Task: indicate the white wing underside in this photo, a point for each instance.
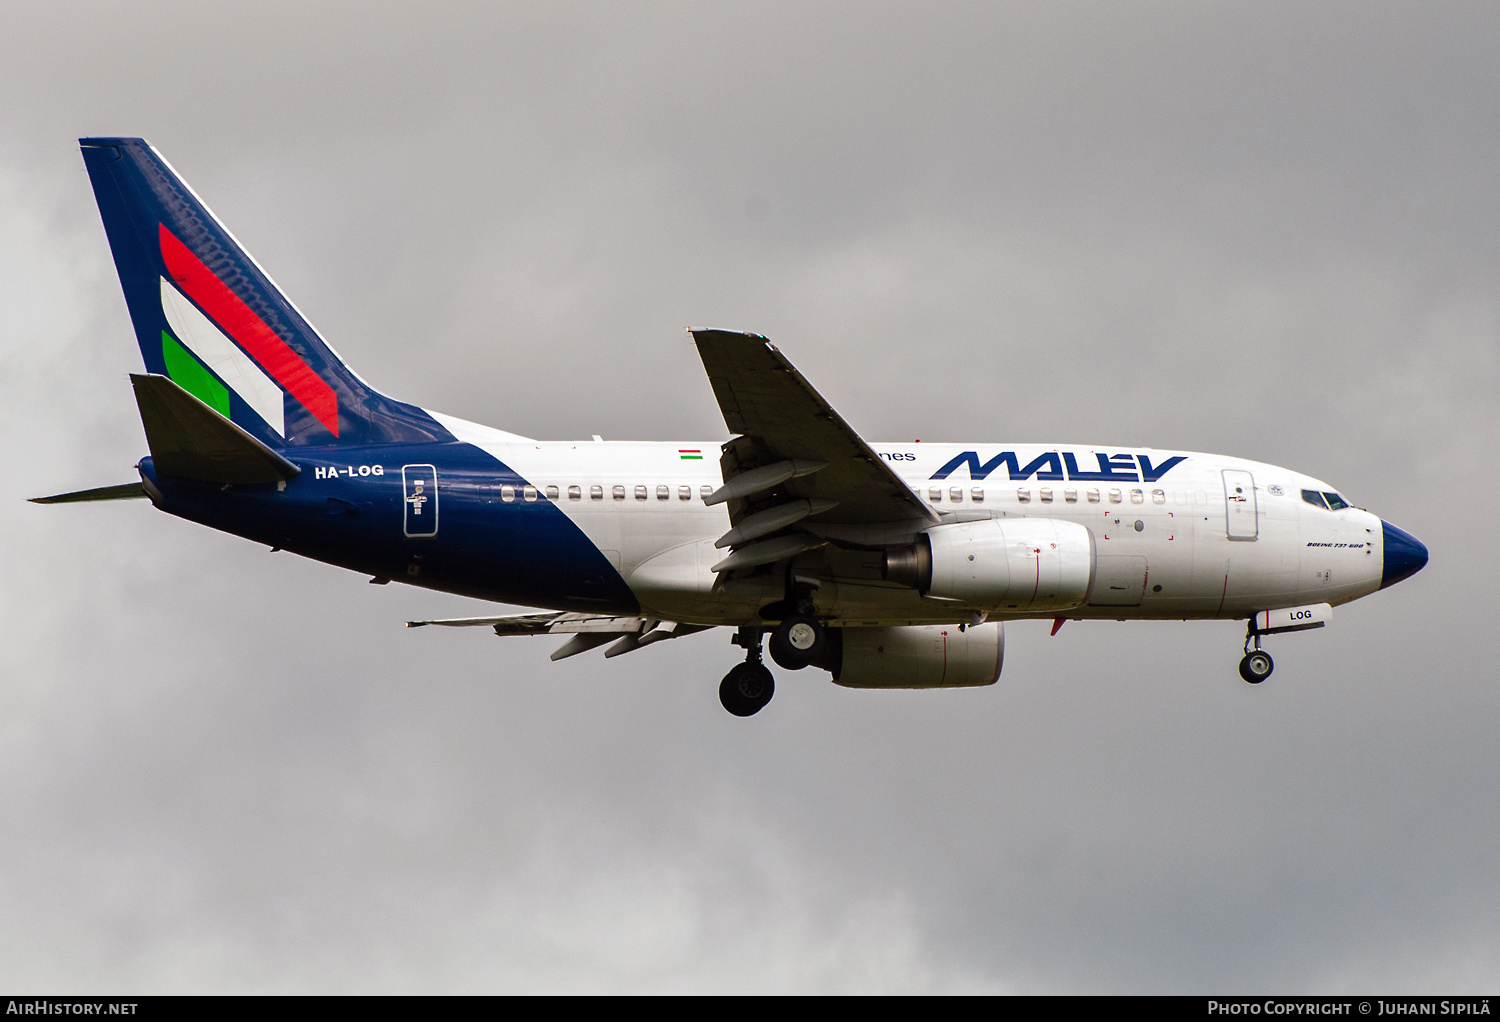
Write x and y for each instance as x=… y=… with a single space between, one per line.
x=586 y=630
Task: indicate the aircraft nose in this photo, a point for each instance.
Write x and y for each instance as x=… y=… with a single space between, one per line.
x=1404 y=555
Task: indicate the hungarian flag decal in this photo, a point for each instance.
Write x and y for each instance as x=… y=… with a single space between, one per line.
x=240 y=322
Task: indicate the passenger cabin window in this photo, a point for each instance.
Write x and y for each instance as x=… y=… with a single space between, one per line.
x=976 y=494
x=663 y=493
x=1314 y=498
x=956 y=494
x=576 y=493
x=640 y=493
x=705 y=492
x=1023 y=495
x=1046 y=494
x=618 y=492
x=529 y=493
x=935 y=494
x=1115 y=497
x=1137 y=496
x=1158 y=496
x=596 y=492
x=552 y=493
x=1093 y=496
x=684 y=493
x=1070 y=495
x=507 y=493
x=1335 y=502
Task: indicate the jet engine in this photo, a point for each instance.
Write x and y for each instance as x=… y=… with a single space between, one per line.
x=916 y=656
x=1023 y=564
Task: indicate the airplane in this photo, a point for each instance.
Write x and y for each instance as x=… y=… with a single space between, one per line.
x=887 y=565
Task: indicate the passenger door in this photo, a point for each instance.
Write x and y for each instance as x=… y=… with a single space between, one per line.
x=1239 y=502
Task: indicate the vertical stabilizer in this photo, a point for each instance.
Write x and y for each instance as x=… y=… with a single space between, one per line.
x=208 y=318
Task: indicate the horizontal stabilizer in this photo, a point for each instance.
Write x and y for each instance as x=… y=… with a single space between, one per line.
x=190 y=440
x=125 y=491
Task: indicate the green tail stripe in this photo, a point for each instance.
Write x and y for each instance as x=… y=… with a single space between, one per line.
x=189 y=374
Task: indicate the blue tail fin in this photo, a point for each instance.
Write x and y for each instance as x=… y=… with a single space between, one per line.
x=209 y=318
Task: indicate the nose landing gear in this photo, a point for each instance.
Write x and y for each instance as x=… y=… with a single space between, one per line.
x=1257 y=665
x=748 y=687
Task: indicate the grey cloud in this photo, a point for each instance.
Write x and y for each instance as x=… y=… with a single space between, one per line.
x=1264 y=230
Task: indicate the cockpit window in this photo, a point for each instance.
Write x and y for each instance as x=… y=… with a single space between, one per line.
x=1331 y=501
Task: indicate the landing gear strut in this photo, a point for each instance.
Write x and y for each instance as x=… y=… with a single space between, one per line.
x=749 y=686
x=1257 y=665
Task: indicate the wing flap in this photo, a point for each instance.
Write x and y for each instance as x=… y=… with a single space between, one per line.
x=587 y=631
x=548 y=623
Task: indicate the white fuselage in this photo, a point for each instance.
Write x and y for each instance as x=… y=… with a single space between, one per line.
x=1184 y=545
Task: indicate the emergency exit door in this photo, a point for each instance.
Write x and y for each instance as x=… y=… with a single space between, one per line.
x=1239 y=504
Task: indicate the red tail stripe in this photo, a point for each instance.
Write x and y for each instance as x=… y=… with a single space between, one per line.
x=241 y=323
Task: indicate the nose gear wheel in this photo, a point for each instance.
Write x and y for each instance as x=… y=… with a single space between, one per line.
x=1257 y=665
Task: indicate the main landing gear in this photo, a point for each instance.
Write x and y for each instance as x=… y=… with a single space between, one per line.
x=749 y=686
x=797 y=642
x=1257 y=665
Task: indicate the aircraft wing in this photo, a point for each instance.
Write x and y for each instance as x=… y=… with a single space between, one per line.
x=787 y=429
x=545 y=623
x=586 y=630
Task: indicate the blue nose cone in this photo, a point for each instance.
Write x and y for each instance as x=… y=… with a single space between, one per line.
x=1404 y=555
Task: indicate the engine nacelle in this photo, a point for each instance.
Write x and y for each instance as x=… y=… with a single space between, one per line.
x=918 y=656
x=1021 y=564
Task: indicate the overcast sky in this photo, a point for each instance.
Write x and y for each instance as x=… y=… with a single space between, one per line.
x=1259 y=229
